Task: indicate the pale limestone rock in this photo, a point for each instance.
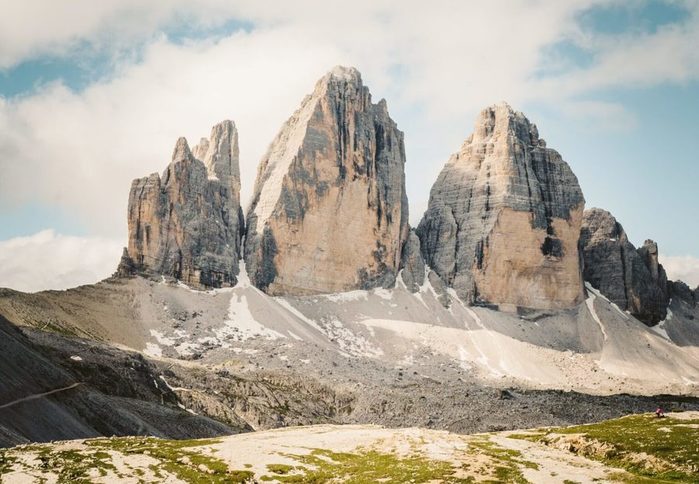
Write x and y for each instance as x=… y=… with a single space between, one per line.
x=503 y=220
x=329 y=210
x=412 y=263
x=188 y=224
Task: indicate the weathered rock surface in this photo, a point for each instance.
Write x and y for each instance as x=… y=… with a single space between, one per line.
x=680 y=290
x=412 y=263
x=504 y=216
x=629 y=277
x=329 y=211
x=188 y=223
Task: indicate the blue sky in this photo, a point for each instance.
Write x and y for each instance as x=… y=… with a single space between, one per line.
x=87 y=106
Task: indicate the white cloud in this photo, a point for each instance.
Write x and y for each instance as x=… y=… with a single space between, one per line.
x=81 y=150
x=437 y=63
x=30 y=28
x=682 y=268
x=47 y=260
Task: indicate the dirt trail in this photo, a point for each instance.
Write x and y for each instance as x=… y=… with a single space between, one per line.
x=40 y=395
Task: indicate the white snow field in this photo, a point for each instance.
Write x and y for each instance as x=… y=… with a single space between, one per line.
x=595 y=348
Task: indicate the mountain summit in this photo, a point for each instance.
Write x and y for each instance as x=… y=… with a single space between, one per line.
x=503 y=220
x=187 y=224
x=329 y=211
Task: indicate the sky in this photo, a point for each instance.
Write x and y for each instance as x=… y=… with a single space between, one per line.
x=95 y=94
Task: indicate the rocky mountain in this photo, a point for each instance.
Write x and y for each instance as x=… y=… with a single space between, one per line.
x=503 y=219
x=187 y=224
x=53 y=387
x=631 y=278
x=329 y=211
x=389 y=357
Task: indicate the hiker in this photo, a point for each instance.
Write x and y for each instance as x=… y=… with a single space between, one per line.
x=659 y=412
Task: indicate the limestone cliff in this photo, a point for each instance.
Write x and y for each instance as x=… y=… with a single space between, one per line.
x=629 y=277
x=329 y=210
x=503 y=220
x=412 y=263
x=188 y=223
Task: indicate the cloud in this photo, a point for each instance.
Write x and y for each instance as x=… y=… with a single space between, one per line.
x=32 y=28
x=682 y=268
x=437 y=63
x=633 y=59
x=80 y=150
x=47 y=260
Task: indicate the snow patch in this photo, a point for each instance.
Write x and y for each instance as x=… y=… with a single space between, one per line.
x=347 y=296
x=241 y=324
x=383 y=293
x=153 y=349
x=349 y=343
x=161 y=338
x=590 y=302
x=187 y=348
x=659 y=328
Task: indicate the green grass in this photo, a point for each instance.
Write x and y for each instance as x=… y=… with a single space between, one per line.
x=280 y=468
x=671 y=444
x=72 y=465
x=175 y=457
x=505 y=464
x=362 y=468
x=6 y=462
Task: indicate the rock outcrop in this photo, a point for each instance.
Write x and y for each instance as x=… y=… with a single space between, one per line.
x=680 y=290
x=188 y=224
x=329 y=210
x=629 y=277
x=412 y=263
x=503 y=220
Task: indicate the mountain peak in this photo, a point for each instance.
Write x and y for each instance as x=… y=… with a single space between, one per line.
x=501 y=119
x=181 y=151
x=345 y=73
x=503 y=220
x=329 y=210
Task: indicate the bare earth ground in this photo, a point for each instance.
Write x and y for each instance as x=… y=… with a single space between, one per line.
x=356 y=453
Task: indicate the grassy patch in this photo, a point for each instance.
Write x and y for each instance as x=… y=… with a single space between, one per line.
x=6 y=462
x=660 y=449
x=280 y=468
x=504 y=464
x=176 y=458
x=73 y=465
x=362 y=467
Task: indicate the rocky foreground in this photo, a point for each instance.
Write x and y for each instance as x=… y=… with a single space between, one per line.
x=639 y=448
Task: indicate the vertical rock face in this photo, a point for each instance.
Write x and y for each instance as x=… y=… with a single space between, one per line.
x=504 y=215
x=629 y=277
x=188 y=223
x=412 y=264
x=329 y=211
x=680 y=290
